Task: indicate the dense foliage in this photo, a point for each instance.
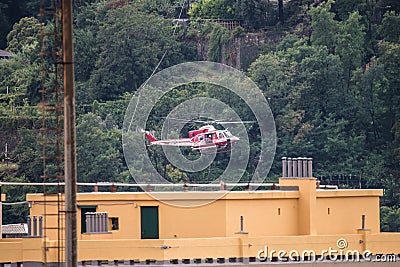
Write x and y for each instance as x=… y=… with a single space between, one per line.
x=331 y=77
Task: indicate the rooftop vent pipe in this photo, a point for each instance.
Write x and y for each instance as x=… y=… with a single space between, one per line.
x=297 y=167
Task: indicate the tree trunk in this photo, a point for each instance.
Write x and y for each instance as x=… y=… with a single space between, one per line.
x=280 y=11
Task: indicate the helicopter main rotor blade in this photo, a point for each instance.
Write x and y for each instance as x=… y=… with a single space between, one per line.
x=209 y=121
x=183 y=120
x=233 y=122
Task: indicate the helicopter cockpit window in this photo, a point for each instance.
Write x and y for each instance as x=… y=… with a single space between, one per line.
x=227 y=134
x=209 y=138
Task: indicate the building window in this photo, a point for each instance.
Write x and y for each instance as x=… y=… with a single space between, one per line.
x=114 y=223
x=84 y=210
x=97 y=222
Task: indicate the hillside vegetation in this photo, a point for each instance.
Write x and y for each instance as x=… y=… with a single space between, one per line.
x=330 y=70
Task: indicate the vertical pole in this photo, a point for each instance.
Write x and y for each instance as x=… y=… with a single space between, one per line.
x=309 y=161
x=1 y=214
x=102 y=224
x=241 y=226
x=294 y=161
x=363 y=221
x=6 y=155
x=29 y=224
x=284 y=167
x=106 y=222
x=305 y=168
x=35 y=232
x=69 y=137
x=41 y=226
x=89 y=222
x=300 y=167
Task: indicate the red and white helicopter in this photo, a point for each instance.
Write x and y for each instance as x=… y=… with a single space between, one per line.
x=204 y=139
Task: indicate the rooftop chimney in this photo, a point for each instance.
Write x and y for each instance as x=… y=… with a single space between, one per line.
x=296 y=167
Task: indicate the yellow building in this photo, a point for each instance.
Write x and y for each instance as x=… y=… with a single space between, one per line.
x=300 y=220
x=265 y=213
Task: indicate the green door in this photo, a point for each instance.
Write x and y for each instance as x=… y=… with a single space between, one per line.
x=149 y=222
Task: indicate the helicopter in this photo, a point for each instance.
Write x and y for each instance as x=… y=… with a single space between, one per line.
x=204 y=139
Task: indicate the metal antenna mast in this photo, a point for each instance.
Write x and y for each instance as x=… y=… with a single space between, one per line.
x=52 y=126
x=58 y=125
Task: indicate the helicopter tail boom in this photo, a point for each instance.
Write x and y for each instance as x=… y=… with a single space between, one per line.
x=150 y=137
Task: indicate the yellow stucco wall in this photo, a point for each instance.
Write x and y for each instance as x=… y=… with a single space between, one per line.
x=262 y=217
x=306 y=218
x=31 y=249
x=11 y=250
x=265 y=213
x=176 y=222
x=278 y=219
x=338 y=213
x=38 y=208
x=334 y=211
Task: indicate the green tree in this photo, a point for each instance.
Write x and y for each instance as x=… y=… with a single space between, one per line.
x=255 y=13
x=368 y=86
x=164 y=8
x=21 y=78
x=338 y=145
x=390 y=27
x=312 y=110
x=390 y=95
x=350 y=42
x=390 y=116
x=85 y=53
x=4 y=21
x=21 y=72
x=29 y=155
x=390 y=219
x=324 y=27
x=98 y=156
x=213 y=9
x=132 y=43
x=272 y=74
x=219 y=38
x=12 y=11
x=328 y=110
x=16 y=213
x=319 y=80
x=24 y=34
